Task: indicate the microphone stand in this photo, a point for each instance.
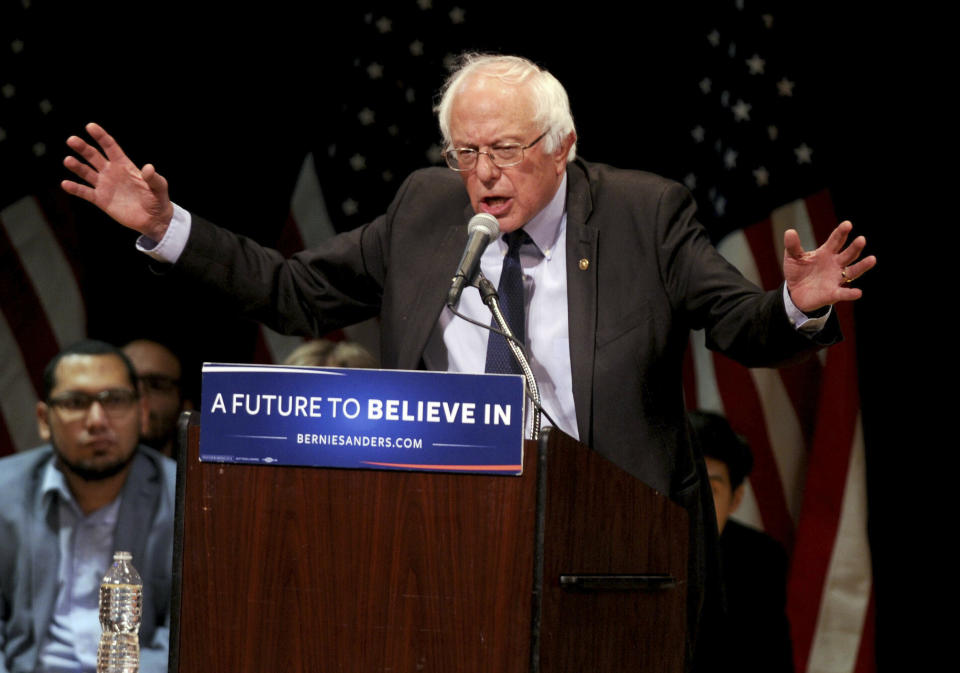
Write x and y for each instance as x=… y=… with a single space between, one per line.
x=489 y=295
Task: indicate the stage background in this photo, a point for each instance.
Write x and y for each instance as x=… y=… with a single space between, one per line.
x=228 y=103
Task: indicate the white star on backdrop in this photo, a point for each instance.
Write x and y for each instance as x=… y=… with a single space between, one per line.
x=358 y=162
x=741 y=111
x=756 y=64
x=434 y=154
x=730 y=159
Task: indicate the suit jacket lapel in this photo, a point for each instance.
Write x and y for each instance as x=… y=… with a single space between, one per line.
x=581 y=294
x=137 y=508
x=431 y=292
x=45 y=560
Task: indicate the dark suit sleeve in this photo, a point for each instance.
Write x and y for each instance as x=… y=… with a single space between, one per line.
x=740 y=320
x=309 y=294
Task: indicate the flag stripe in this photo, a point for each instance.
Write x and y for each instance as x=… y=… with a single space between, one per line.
x=785 y=437
x=847 y=588
x=741 y=402
x=823 y=500
x=867 y=657
x=18 y=400
x=48 y=269
x=308 y=208
x=19 y=303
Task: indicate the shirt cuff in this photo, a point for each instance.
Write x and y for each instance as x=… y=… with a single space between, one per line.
x=170 y=247
x=800 y=320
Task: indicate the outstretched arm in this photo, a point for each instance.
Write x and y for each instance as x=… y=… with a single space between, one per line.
x=822 y=277
x=135 y=197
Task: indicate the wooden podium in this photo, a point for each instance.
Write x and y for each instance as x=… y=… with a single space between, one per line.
x=573 y=566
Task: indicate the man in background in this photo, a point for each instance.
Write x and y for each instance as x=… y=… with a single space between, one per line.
x=756 y=636
x=67 y=506
x=158 y=369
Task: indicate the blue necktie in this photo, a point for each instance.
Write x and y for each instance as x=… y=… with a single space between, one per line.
x=510 y=290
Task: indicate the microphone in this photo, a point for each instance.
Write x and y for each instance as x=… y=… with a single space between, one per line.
x=482 y=229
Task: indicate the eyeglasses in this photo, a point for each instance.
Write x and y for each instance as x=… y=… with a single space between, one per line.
x=463 y=159
x=158 y=383
x=115 y=401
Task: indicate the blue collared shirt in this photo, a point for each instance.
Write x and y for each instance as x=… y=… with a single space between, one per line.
x=85 y=551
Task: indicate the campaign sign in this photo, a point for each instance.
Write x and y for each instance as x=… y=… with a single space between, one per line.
x=362 y=418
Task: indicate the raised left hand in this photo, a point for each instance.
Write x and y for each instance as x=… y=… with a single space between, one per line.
x=824 y=276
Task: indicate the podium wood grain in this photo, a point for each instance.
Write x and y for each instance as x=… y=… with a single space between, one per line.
x=306 y=569
x=354 y=570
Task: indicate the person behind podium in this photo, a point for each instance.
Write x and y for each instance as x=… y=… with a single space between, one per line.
x=159 y=372
x=67 y=506
x=756 y=635
x=613 y=268
x=327 y=353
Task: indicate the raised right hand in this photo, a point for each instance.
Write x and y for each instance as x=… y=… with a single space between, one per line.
x=136 y=198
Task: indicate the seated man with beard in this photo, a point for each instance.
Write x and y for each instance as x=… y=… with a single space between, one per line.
x=67 y=506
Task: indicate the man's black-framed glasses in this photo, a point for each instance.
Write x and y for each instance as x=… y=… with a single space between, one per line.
x=115 y=401
x=463 y=159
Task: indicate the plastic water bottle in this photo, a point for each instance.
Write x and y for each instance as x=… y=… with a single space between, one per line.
x=121 y=602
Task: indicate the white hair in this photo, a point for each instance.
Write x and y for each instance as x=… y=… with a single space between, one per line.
x=551 y=107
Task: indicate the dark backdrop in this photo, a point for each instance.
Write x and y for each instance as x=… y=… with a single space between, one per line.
x=226 y=103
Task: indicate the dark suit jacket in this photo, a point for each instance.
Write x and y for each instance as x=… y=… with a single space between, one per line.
x=757 y=636
x=649 y=276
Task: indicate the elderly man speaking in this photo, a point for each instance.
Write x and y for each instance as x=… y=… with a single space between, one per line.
x=612 y=267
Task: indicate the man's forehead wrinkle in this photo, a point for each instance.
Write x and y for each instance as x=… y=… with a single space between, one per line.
x=492 y=129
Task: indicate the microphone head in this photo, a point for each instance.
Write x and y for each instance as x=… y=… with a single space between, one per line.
x=485 y=223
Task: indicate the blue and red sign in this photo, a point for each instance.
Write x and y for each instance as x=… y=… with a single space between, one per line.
x=362 y=418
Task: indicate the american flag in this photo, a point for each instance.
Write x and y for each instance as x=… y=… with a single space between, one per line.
x=756 y=160
x=41 y=305
x=394 y=58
